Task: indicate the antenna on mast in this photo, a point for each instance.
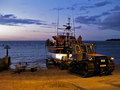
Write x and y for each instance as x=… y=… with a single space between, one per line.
x=58 y=21
x=68 y=21
x=74 y=26
x=73 y=23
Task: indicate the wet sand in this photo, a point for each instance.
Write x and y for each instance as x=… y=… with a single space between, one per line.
x=55 y=79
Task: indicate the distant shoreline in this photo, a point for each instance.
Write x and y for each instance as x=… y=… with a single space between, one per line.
x=113 y=40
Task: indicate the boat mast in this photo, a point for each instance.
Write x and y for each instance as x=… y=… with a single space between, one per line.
x=68 y=21
x=58 y=21
x=73 y=22
x=74 y=26
x=68 y=28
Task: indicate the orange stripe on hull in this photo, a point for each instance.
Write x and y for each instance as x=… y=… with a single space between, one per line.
x=96 y=54
x=55 y=48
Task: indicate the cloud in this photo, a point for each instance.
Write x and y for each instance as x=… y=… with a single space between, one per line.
x=8 y=16
x=91 y=19
x=53 y=23
x=100 y=4
x=78 y=27
x=88 y=20
x=71 y=8
x=11 y=20
x=105 y=13
x=74 y=6
x=86 y=7
x=116 y=8
x=58 y=9
x=111 y=22
x=67 y=8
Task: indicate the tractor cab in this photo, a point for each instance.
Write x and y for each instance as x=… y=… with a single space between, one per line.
x=85 y=48
x=80 y=51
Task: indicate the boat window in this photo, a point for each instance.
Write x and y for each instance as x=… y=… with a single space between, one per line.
x=83 y=48
x=73 y=50
x=90 y=49
x=77 y=49
x=93 y=48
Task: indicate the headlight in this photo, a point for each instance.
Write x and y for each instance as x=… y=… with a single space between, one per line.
x=112 y=58
x=90 y=58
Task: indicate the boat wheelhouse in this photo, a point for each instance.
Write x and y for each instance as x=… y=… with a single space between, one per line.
x=62 y=43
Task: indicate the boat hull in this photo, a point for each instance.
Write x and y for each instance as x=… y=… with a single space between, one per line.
x=58 y=56
x=58 y=52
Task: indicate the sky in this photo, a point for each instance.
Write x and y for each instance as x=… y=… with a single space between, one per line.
x=95 y=20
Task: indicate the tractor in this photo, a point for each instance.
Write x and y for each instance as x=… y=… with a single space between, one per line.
x=86 y=62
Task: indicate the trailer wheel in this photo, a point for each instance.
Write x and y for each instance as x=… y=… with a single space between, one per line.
x=62 y=66
x=50 y=63
x=73 y=68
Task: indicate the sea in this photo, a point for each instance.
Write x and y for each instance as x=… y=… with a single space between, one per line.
x=35 y=52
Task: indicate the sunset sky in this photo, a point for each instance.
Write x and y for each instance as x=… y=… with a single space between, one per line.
x=36 y=19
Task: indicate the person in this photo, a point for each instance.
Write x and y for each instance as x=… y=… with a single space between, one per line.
x=79 y=41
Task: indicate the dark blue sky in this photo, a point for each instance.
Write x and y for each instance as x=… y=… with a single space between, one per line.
x=36 y=19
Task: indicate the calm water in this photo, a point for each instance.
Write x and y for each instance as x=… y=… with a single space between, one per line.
x=34 y=52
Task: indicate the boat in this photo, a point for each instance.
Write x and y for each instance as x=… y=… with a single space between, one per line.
x=62 y=43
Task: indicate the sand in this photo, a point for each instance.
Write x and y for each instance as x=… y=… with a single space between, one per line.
x=55 y=79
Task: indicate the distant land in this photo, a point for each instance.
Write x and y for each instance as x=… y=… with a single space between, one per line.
x=113 y=40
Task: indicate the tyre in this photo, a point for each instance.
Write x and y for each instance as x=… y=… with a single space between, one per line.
x=111 y=67
x=72 y=67
x=62 y=66
x=49 y=63
x=84 y=71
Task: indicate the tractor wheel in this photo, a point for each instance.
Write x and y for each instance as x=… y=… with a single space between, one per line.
x=84 y=70
x=111 y=67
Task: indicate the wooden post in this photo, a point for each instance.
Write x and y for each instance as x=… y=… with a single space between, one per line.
x=7 y=47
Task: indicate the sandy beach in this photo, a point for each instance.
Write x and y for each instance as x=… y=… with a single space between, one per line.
x=55 y=79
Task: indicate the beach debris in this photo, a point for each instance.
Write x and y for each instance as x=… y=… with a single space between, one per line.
x=4 y=63
x=33 y=69
x=19 y=69
x=23 y=66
